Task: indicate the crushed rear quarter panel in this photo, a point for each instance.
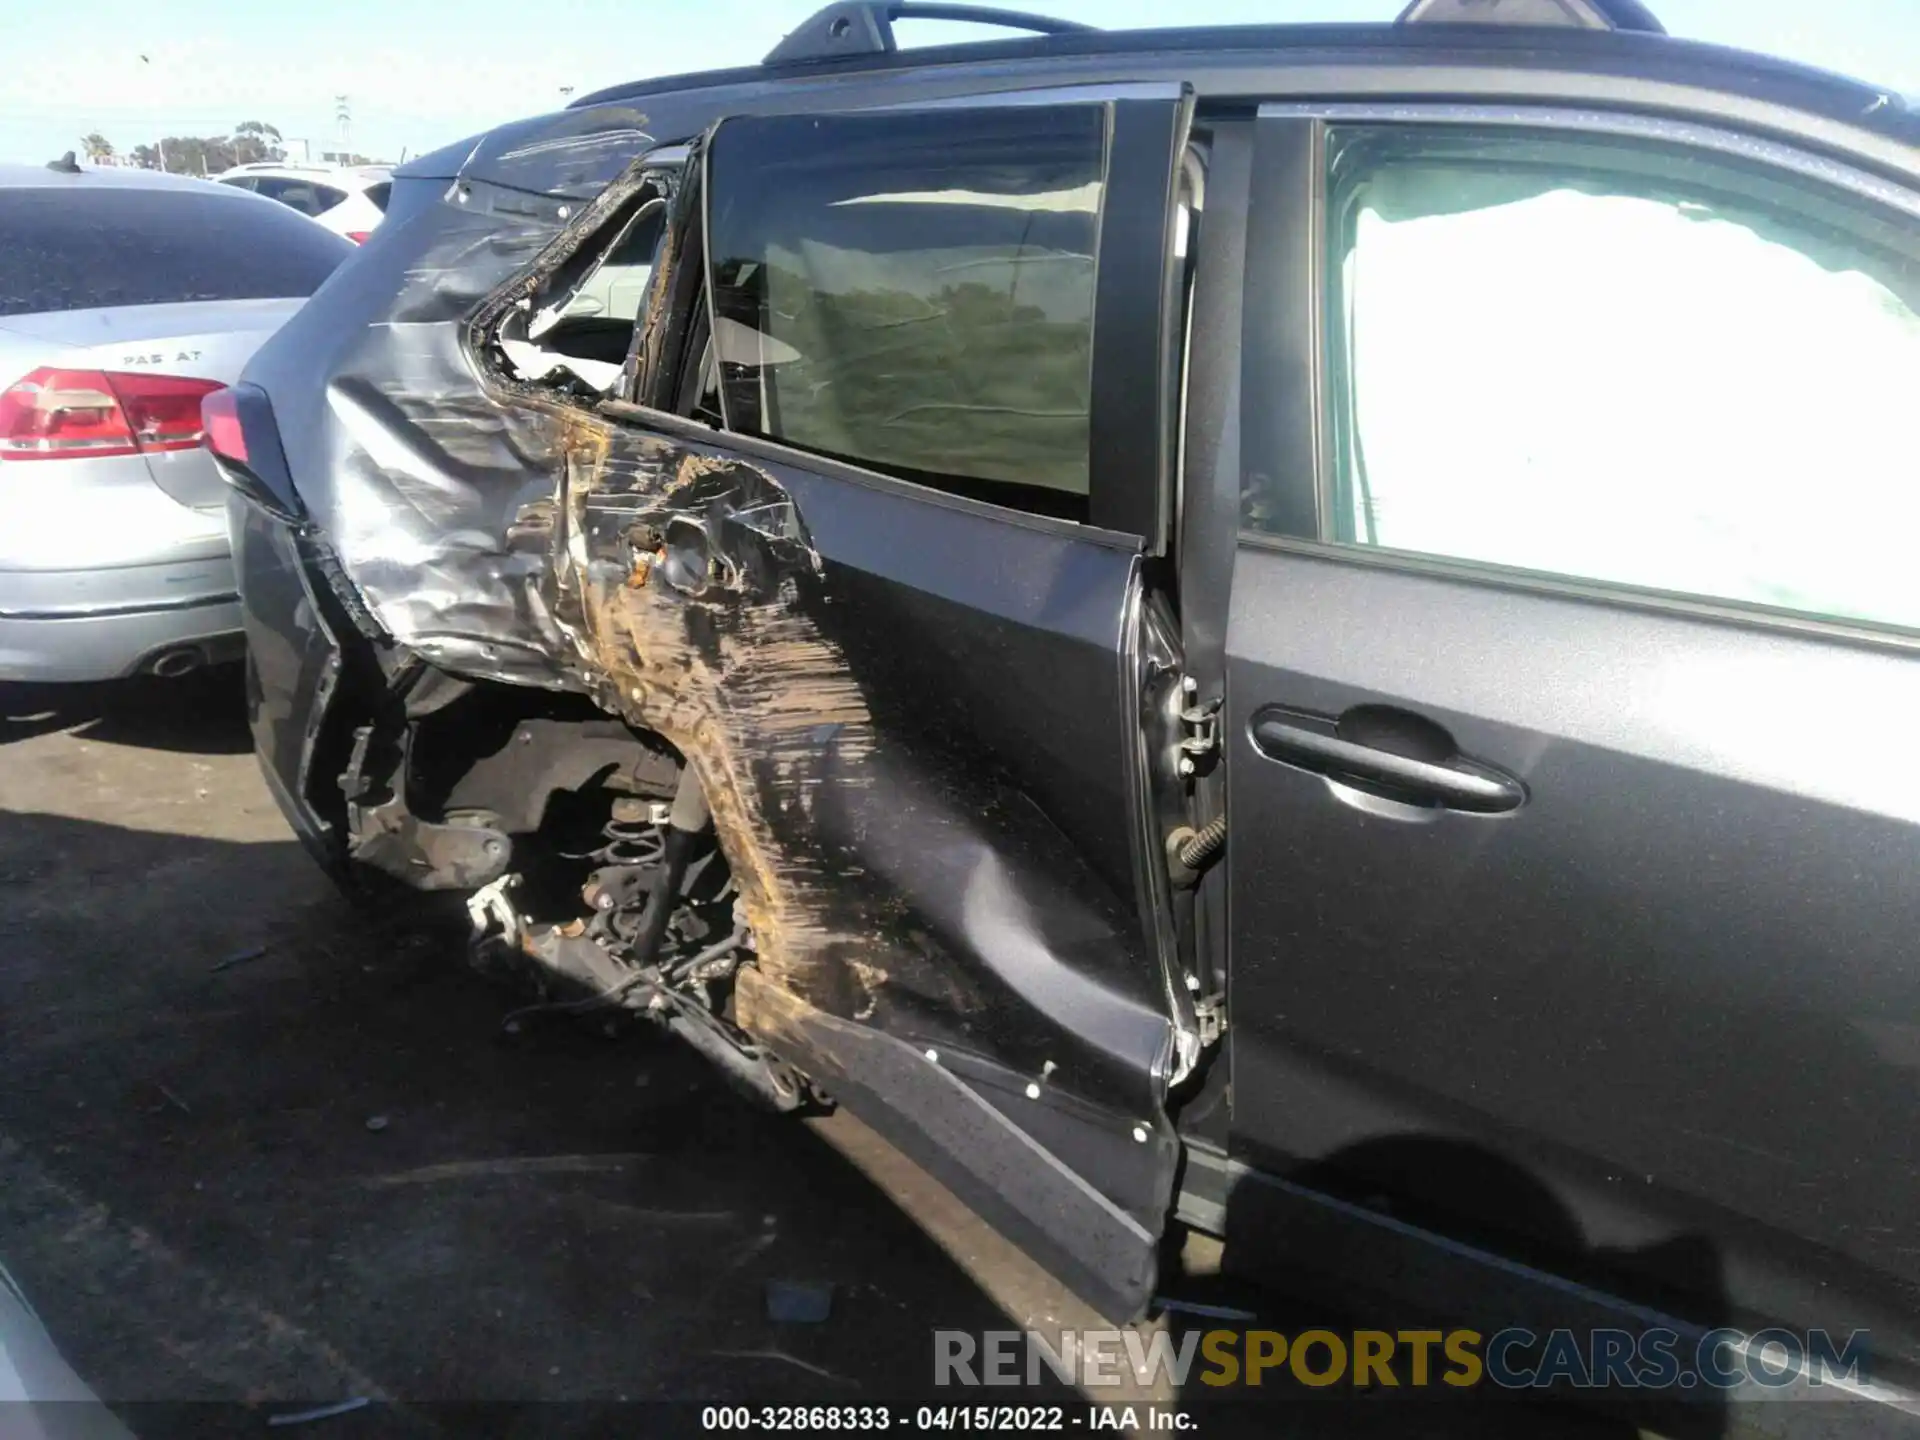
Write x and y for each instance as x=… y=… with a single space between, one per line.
x=909 y=717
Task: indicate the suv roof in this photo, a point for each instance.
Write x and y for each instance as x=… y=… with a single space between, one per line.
x=1610 y=35
x=865 y=27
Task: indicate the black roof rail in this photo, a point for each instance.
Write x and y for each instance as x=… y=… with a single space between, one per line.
x=1559 y=14
x=865 y=27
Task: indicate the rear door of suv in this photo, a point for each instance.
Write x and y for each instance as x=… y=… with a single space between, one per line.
x=924 y=360
x=1574 y=675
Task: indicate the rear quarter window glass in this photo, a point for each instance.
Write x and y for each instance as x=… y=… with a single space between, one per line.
x=82 y=249
x=914 y=293
x=379 y=194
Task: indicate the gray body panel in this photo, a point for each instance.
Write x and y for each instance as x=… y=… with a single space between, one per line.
x=1678 y=979
x=1645 y=1023
x=1671 y=991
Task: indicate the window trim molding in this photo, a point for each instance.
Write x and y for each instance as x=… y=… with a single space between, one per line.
x=1282 y=376
x=1902 y=640
x=756 y=447
x=703 y=263
x=1295 y=205
x=1135 y=373
x=1628 y=125
x=1097 y=92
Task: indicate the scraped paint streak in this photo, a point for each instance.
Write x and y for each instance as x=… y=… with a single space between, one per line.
x=681 y=576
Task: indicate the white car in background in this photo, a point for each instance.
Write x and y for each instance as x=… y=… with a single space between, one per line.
x=348 y=200
x=126 y=297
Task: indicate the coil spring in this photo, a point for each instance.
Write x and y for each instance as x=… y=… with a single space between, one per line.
x=630 y=842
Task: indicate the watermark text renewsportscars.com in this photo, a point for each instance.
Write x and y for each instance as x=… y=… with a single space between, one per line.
x=1514 y=1358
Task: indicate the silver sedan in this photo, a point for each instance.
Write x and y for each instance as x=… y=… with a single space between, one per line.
x=125 y=297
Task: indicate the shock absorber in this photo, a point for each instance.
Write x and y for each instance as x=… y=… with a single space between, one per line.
x=686 y=826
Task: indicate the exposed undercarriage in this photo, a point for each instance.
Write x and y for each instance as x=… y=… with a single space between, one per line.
x=584 y=848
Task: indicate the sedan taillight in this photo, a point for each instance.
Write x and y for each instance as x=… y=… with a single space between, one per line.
x=57 y=414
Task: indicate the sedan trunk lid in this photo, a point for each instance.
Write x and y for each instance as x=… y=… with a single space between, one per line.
x=201 y=340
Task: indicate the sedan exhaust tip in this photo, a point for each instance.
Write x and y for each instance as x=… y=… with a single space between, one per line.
x=171 y=664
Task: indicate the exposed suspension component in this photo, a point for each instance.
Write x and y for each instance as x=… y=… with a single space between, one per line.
x=662 y=935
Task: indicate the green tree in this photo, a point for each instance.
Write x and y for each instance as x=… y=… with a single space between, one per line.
x=255 y=141
x=99 y=149
x=252 y=141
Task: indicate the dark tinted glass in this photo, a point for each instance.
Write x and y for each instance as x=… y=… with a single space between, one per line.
x=78 y=249
x=378 y=193
x=641 y=238
x=915 y=292
x=306 y=196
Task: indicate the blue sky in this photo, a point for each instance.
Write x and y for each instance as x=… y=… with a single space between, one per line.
x=421 y=73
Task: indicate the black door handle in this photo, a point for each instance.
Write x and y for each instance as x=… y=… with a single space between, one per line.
x=1456 y=785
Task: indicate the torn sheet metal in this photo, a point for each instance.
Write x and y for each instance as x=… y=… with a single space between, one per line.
x=431 y=493
x=894 y=873
x=909 y=718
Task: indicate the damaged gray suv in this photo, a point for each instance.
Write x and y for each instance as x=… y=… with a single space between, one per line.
x=1304 y=631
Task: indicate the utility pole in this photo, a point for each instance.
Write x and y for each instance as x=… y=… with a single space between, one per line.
x=160 y=143
x=343 y=112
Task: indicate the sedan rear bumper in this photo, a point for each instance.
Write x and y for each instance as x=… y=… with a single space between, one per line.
x=106 y=624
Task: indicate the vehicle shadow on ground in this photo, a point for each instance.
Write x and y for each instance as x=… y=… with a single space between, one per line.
x=203 y=713
x=1321 y=1265
x=259 y=1149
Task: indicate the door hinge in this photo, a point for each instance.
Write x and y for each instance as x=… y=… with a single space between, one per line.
x=1199 y=727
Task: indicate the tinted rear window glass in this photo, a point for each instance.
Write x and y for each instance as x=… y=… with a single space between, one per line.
x=915 y=293
x=309 y=197
x=378 y=193
x=81 y=249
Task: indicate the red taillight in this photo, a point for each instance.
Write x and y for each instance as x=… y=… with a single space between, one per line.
x=358 y=237
x=220 y=419
x=56 y=414
x=164 y=410
x=89 y=414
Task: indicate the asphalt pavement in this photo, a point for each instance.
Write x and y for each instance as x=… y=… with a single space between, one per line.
x=262 y=1150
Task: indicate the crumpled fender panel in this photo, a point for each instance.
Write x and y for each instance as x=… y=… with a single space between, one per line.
x=412 y=474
